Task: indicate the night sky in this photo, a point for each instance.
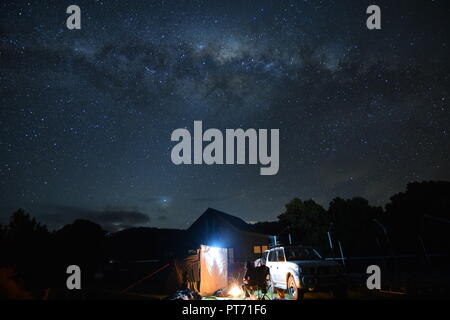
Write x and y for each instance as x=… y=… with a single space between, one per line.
x=86 y=115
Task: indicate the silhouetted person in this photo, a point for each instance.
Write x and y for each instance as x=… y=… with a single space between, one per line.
x=255 y=278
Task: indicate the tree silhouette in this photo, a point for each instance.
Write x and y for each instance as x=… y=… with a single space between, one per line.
x=418 y=216
x=355 y=226
x=307 y=220
x=27 y=247
x=80 y=243
x=22 y=224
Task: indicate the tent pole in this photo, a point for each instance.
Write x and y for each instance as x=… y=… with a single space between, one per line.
x=145 y=278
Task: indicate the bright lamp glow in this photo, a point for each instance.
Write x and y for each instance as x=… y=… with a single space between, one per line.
x=215 y=259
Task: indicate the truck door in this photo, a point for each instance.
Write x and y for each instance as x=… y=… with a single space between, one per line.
x=281 y=268
x=271 y=264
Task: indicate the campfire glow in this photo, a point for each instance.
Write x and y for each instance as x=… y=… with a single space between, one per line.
x=235 y=291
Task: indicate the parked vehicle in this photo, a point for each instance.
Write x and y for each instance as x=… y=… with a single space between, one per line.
x=298 y=269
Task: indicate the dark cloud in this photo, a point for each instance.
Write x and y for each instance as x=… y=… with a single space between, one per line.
x=110 y=219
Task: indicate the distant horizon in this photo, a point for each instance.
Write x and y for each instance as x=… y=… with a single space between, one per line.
x=100 y=214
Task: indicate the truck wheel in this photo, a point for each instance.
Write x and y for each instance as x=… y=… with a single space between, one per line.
x=294 y=292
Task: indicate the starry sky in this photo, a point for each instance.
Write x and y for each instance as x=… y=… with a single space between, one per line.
x=86 y=115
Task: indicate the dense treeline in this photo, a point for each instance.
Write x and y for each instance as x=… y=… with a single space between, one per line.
x=34 y=259
x=415 y=221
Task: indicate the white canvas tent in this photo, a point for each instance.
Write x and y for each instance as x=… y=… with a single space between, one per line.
x=205 y=272
x=213 y=269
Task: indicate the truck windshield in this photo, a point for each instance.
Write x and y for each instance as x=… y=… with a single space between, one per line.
x=294 y=253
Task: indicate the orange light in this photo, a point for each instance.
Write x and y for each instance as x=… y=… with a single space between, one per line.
x=235 y=291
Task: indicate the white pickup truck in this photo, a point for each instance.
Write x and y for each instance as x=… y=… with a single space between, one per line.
x=298 y=269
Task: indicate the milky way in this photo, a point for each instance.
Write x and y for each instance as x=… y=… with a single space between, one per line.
x=86 y=115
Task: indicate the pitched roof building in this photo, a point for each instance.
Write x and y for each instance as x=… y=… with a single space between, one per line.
x=217 y=228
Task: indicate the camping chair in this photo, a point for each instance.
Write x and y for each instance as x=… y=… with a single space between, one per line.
x=255 y=279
